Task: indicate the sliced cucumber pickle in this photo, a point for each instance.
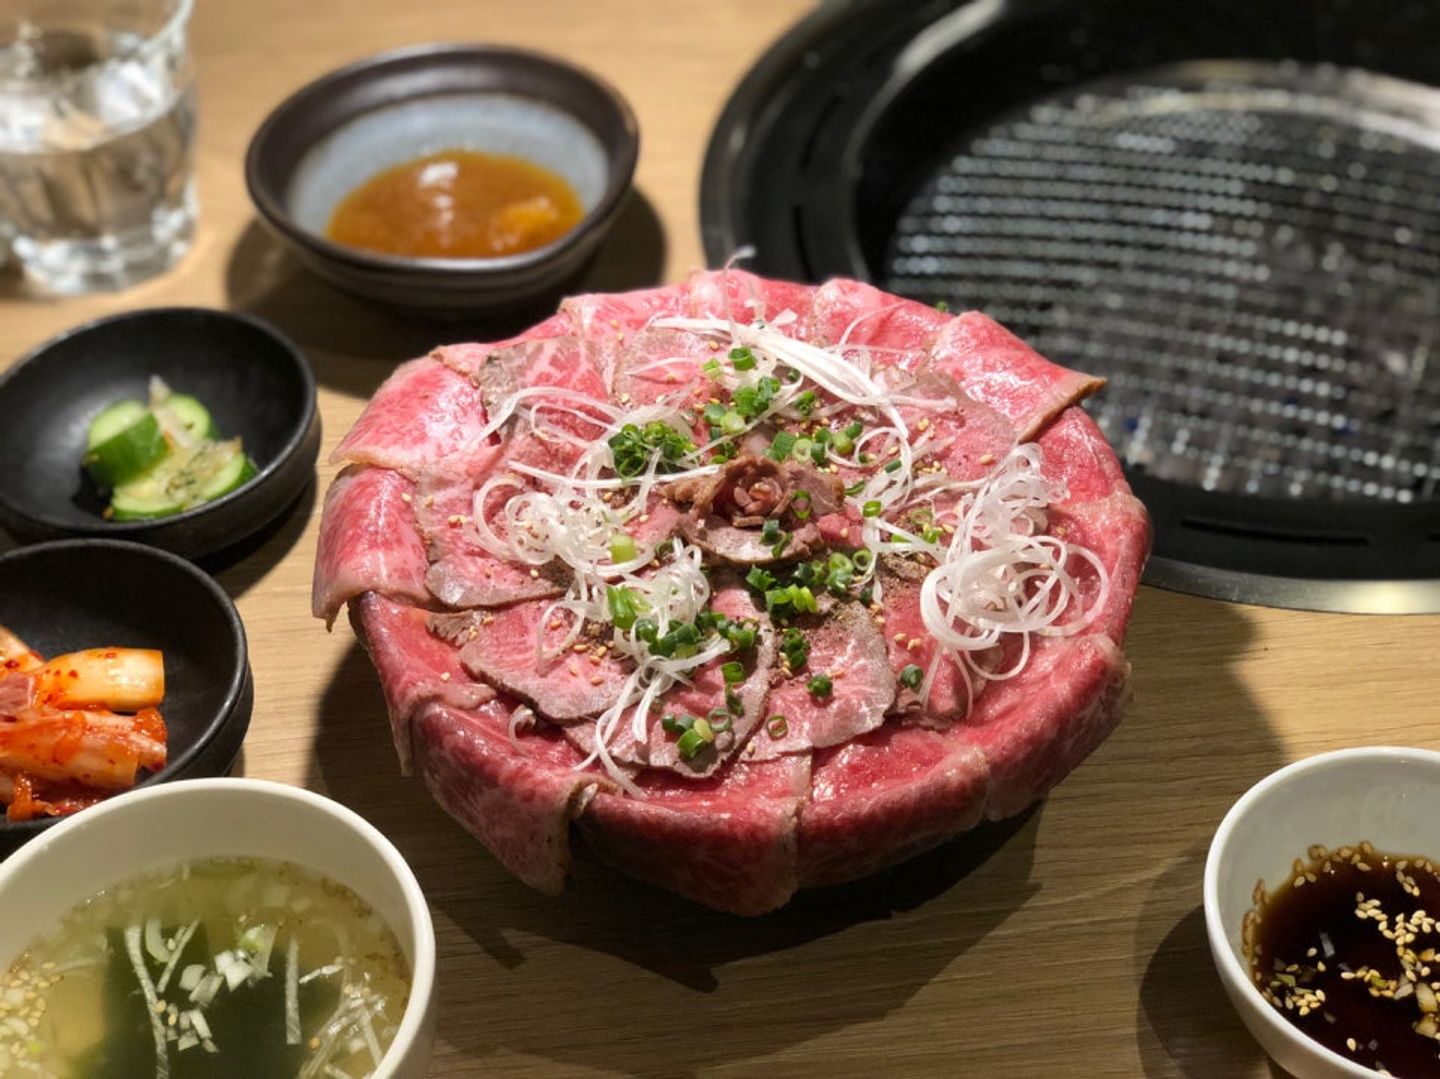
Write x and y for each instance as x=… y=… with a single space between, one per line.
x=126 y=454
x=113 y=419
x=193 y=416
x=150 y=495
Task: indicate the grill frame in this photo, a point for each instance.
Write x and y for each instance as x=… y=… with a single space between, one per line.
x=820 y=110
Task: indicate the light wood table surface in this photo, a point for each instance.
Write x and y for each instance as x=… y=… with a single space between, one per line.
x=1069 y=942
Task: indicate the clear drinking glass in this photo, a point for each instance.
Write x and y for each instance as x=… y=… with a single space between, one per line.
x=97 y=128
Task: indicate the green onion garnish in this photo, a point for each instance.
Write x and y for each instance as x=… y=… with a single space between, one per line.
x=732 y=673
x=800 y=505
x=778 y=548
x=671 y=725
x=690 y=744
x=783 y=445
x=805 y=402
x=893 y=466
x=777 y=726
x=871 y=508
x=760 y=579
x=770 y=530
x=624 y=605
x=803 y=599
x=863 y=560
x=854 y=429
x=733 y=702
x=855 y=488
x=712 y=369
x=820 y=686
x=803 y=448
x=703 y=729
x=622 y=547
x=732 y=423
x=742 y=359
x=911 y=676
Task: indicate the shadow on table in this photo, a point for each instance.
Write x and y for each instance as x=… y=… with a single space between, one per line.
x=354 y=344
x=687 y=978
x=243 y=565
x=1216 y=744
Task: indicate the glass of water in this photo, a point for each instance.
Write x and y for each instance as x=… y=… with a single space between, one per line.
x=97 y=131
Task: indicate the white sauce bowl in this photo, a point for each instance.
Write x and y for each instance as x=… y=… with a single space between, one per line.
x=154 y=827
x=1389 y=796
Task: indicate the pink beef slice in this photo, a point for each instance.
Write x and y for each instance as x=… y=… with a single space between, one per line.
x=517 y=800
x=706 y=691
x=466 y=358
x=972 y=437
x=501 y=650
x=660 y=363
x=565 y=362
x=743 y=297
x=876 y=320
x=368 y=541
x=900 y=582
x=1099 y=513
x=423 y=418
x=728 y=842
x=996 y=368
x=885 y=797
x=1037 y=727
x=847 y=648
x=462 y=572
x=609 y=320
x=414 y=665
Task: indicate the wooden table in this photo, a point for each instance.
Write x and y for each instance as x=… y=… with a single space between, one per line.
x=1067 y=942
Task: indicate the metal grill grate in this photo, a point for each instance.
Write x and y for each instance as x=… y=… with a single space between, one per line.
x=1250 y=252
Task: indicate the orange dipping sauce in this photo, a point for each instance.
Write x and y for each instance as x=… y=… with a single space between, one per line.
x=457 y=204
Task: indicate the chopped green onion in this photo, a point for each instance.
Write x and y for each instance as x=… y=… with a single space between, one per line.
x=942 y=306
x=803 y=448
x=805 y=403
x=733 y=702
x=855 y=488
x=792 y=375
x=714 y=414
x=646 y=630
x=855 y=429
x=777 y=726
x=622 y=547
x=690 y=744
x=840 y=560
x=867 y=596
x=839 y=581
x=843 y=443
x=893 y=466
x=777 y=600
x=911 y=676
x=820 y=686
x=803 y=599
x=770 y=530
x=760 y=579
x=624 y=605
x=931 y=535
x=732 y=423
x=720 y=726
x=778 y=547
x=863 y=560
x=871 y=508
x=800 y=505
x=732 y=673
x=712 y=369
x=742 y=359
x=671 y=725
x=782 y=446
x=741 y=635
x=821 y=435
x=703 y=729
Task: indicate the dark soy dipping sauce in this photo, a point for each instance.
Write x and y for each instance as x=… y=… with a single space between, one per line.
x=1321 y=954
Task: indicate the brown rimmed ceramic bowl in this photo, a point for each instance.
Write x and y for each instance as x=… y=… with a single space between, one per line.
x=378 y=112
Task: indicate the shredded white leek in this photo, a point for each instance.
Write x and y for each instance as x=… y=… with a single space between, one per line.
x=995 y=571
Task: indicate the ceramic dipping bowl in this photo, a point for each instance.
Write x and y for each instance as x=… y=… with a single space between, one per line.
x=331 y=135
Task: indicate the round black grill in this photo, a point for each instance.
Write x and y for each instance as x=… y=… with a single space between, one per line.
x=1249 y=253
x=1229 y=208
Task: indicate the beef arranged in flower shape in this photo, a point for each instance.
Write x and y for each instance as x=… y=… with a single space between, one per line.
x=756 y=585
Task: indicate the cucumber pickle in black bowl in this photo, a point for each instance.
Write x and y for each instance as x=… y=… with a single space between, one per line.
x=80 y=594
x=244 y=376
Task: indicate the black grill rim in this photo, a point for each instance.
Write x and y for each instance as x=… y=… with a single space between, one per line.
x=1274 y=552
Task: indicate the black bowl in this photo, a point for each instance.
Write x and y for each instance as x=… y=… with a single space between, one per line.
x=89 y=593
x=386 y=109
x=255 y=383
